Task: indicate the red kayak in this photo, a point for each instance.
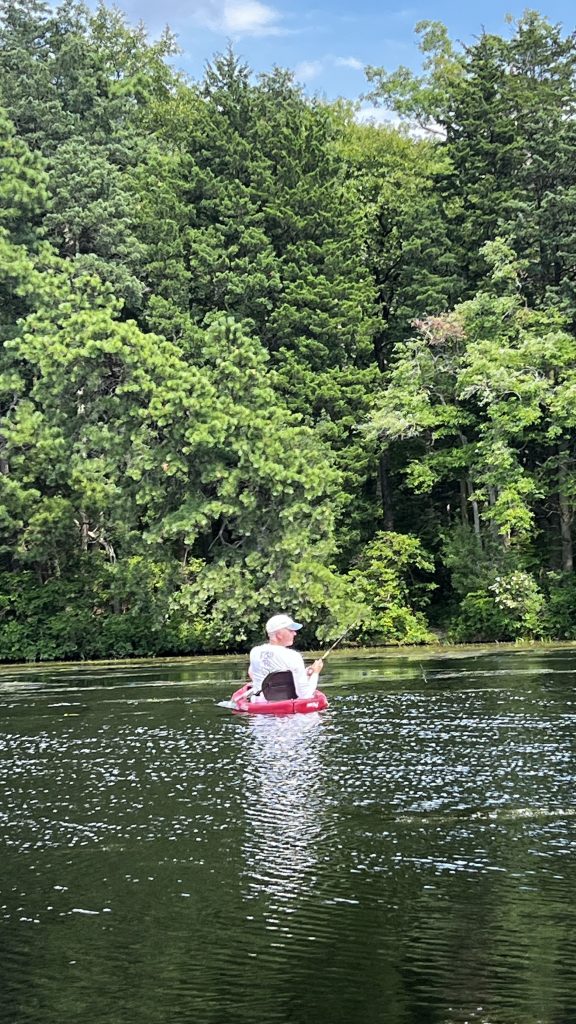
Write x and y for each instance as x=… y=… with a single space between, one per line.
x=299 y=706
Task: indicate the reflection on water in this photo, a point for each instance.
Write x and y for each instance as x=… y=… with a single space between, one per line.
x=286 y=811
x=405 y=857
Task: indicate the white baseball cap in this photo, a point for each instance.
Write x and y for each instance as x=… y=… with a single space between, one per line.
x=281 y=622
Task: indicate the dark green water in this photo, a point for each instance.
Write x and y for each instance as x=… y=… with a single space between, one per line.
x=408 y=857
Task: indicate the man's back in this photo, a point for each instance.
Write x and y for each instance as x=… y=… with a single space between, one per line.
x=268 y=658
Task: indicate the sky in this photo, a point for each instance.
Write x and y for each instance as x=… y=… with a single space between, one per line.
x=326 y=44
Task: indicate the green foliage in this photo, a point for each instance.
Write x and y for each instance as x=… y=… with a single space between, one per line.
x=510 y=608
x=114 y=444
x=400 y=182
x=424 y=99
x=257 y=355
x=518 y=596
x=471 y=562
x=23 y=184
x=389 y=587
x=475 y=388
x=98 y=610
x=78 y=85
x=275 y=237
x=513 y=168
x=560 y=611
x=479 y=620
x=23 y=198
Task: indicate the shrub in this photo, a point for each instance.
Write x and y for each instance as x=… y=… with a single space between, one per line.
x=560 y=613
x=509 y=608
x=389 y=584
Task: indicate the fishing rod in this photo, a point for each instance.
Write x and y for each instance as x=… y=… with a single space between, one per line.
x=337 y=641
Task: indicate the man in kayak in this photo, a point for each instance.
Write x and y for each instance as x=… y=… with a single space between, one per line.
x=272 y=664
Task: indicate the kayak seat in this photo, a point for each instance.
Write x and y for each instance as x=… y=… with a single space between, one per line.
x=279 y=686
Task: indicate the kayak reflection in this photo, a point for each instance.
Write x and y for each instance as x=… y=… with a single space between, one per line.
x=286 y=802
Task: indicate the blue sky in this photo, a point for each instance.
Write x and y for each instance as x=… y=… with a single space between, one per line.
x=325 y=44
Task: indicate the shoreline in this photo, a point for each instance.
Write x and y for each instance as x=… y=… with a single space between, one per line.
x=411 y=652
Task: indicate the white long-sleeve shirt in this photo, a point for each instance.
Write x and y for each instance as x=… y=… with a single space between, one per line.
x=274 y=658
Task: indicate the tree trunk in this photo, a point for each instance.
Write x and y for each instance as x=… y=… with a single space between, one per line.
x=492 y=526
x=565 y=507
x=84 y=532
x=475 y=510
x=385 y=492
x=464 y=502
x=4 y=467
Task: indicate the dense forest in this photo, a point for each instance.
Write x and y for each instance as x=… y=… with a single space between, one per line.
x=256 y=355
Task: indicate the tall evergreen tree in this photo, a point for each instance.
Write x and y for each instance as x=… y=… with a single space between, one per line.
x=23 y=199
x=506 y=111
x=76 y=85
x=276 y=239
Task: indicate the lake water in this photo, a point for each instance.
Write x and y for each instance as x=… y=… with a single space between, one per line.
x=407 y=857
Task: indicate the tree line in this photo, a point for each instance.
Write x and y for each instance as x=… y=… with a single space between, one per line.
x=258 y=355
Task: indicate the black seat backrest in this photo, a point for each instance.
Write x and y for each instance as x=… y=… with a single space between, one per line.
x=279 y=686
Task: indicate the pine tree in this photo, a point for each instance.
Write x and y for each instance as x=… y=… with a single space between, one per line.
x=76 y=85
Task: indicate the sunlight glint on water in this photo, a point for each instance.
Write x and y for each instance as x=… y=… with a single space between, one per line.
x=407 y=856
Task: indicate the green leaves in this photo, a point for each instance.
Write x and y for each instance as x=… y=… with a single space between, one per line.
x=389 y=587
x=227 y=361
x=115 y=444
x=424 y=98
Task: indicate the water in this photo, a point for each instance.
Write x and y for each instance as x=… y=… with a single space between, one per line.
x=407 y=857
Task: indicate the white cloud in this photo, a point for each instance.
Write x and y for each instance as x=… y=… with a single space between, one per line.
x=349 y=62
x=381 y=116
x=405 y=14
x=377 y=115
x=250 y=18
x=308 y=69
x=230 y=17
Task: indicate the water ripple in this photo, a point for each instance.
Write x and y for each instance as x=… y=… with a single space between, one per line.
x=406 y=856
